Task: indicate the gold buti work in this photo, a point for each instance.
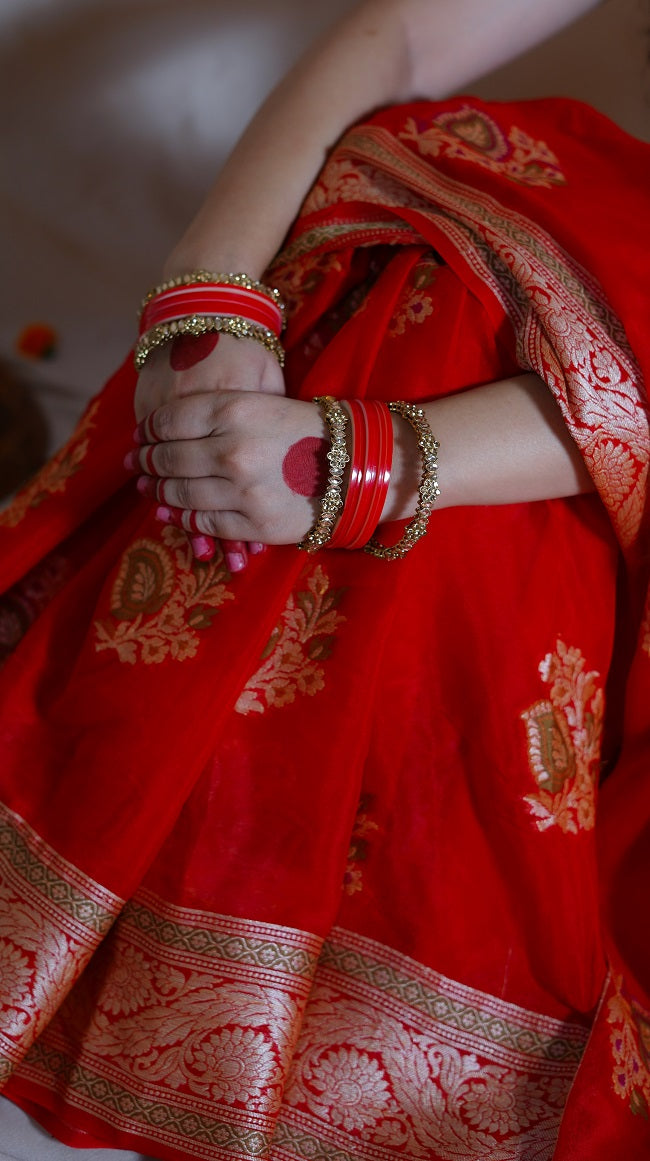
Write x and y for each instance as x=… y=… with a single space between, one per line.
x=564 y=742
x=292 y=662
x=215 y=1037
x=162 y=599
x=53 y=477
x=472 y=135
x=630 y=1043
x=52 y=917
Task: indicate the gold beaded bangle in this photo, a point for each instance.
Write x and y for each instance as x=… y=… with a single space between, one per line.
x=197 y=324
x=428 y=490
x=336 y=419
x=200 y=276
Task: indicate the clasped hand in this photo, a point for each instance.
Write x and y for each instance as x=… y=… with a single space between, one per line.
x=214 y=443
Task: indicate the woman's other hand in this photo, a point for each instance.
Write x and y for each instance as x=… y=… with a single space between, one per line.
x=239 y=465
x=192 y=365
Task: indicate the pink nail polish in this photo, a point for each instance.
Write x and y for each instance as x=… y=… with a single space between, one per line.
x=146 y=486
x=132 y=461
x=255 y=548
x=235 y=561
x=140 y=434
x=203 y=547
x=165 y=515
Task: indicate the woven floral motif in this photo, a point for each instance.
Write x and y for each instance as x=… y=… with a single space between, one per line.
x=630 y=1041
x=161 y=600
x=415 y=305
x=296 y=282
x=564 y=742
x=215 y=1036
x=52 y=479
x=51 y=919
x=292 y=662
x=364 y=828
x=471 y=135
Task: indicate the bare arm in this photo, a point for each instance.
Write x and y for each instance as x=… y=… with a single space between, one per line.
x=502 y=443
x=384 y=52
x=222 y=454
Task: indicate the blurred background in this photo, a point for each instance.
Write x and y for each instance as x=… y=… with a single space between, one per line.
x=117 y=116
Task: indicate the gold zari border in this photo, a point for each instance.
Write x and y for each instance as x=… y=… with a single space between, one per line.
x=217 y=1037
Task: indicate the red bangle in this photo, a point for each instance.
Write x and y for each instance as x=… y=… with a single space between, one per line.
x=372 y=456
x=211 y=299
x=340 y=536
x=380 y=459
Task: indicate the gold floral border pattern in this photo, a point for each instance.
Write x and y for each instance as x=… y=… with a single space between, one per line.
x=54 y=476
x=304 y=638
x=52 y=917
x=219 y=1037
x=192 y=1028
x=564 y=734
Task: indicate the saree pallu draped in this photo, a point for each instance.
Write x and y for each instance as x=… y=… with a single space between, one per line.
x=308 y=862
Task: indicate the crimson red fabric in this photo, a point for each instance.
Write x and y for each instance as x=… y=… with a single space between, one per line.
x=311 y=860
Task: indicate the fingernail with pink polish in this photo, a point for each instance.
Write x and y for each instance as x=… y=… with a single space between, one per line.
x=203 y=547
x=140 y=434
x=165 y=515
x=235 y=561
x=132 y=461
x=146 y=486
x=255 y=547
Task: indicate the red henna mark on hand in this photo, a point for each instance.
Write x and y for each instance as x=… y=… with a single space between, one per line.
x=305 y=467
x=186 y=350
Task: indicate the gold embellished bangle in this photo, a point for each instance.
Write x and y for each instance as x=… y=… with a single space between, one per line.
x=201 y=276
x=428 y=490
x=231 y=324
x=336 y=419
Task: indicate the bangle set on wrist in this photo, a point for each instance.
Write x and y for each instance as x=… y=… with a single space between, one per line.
x=350 y=522
x=201 y=302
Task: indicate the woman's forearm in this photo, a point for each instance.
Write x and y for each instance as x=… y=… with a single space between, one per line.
x=502 y=443
x=383 y=52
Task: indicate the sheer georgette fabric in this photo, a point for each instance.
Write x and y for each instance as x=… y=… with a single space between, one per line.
x=307 y=862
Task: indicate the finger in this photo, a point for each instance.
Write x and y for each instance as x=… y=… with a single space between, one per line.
x=218 y=524
x=235 y=554
x=183 y=458
x=188 y=417
x=203 y=547
x=204 y=495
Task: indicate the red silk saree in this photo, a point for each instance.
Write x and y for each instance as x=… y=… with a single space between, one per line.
x=313 y=861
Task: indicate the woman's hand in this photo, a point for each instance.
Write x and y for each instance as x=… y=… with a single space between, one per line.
x=239 y=465
x=191 y=365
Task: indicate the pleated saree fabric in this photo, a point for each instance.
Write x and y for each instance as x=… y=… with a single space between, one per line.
x=312 y=861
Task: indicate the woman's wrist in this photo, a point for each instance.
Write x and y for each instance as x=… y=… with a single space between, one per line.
x=219 y=260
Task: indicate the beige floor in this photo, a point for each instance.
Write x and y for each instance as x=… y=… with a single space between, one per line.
x=21 y=1139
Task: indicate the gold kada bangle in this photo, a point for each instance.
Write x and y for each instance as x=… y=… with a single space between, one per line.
x=336 y=419
x=230 y=324
x=428 y=490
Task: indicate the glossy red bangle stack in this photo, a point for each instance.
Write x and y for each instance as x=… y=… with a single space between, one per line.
x=211 y=298
x=370 y=464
